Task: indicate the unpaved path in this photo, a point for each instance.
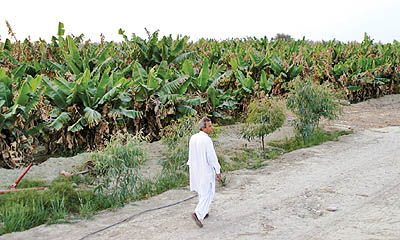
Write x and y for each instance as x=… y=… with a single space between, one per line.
x=349 y=189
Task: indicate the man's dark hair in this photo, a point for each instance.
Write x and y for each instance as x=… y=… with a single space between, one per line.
x=203 y=122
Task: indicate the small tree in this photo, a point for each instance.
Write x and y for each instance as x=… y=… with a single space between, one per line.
x=264 y=117
x=310 y=101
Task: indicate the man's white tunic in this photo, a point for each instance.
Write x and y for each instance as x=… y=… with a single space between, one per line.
x=203 y=163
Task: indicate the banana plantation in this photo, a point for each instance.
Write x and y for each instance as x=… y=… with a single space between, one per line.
x=70 y=94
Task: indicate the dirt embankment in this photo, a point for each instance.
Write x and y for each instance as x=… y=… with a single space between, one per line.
x=339 y=190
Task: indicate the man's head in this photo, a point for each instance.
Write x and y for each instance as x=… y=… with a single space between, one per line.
x=205 y=125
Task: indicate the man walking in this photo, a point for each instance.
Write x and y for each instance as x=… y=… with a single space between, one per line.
x=203 y=167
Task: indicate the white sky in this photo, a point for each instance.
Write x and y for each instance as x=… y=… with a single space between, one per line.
x=344 y=20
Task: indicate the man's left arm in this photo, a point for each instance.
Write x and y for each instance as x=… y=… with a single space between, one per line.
x=213 y=160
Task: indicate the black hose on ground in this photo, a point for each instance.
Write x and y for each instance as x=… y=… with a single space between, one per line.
x=137 y=214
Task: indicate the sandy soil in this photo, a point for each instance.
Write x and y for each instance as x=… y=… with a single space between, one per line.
x=339 y=190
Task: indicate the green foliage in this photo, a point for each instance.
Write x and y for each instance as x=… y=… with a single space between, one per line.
x=23 y=210
x=248 y=158
x=19 y=100
x=29 y=183
x=318 y=137
x=176 y=136
x=117 y=167
x=264 y=117
x=310 y=101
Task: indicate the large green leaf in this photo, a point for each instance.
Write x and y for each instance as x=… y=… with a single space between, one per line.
x=101 y=88
x=217 y=77
x=73 y=50
x=172 y=87
x=204 y=76
x=257 y=59
x=59 y=122
x=212 y=94
x=99 y=66
x=82 y=90
x=170 y=97
x=139 y=75
x=162 y=70
x=19 y=71
x=56 y=66
x=186 y=110
x=34 y=83
x=153 y=81
x=195 y=101
x=92 y=116
x=187 y=68
x=109 y=95
x=23 y=93
x=63 y=85
x=234 y=64
x=54 y=93
x=179 y=47
x=266 y=84
x=130 y=113
x=72 y=64
x=78 y=125
x=183 y=57
x=61 y=30
x=276 y=65
x=14 y=110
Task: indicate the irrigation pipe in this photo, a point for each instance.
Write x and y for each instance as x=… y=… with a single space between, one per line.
x=137 y=214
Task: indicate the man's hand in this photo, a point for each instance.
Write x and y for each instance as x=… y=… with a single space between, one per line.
x=219 y=176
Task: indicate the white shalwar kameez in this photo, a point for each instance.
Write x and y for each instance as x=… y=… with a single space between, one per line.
x=203 y=167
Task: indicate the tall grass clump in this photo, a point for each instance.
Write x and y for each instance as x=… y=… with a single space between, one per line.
x=176 y=136
x=117 y=167
x=20 y=211
x=318 y=137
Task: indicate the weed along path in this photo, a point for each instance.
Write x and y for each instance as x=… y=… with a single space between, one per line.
x=346 y=189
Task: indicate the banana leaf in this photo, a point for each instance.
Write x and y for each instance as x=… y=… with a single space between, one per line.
x=187 y=68
x=59 y=122
x=92 y=116
x=54 y=93
x=204 y=76
x=78 y=125
x=130 y=113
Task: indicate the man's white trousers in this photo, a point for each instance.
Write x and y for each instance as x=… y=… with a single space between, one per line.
x=205 y=199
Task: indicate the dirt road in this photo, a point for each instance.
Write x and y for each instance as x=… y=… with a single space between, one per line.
x=349 y=189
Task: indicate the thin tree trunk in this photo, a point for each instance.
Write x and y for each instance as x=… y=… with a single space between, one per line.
x=262 y=140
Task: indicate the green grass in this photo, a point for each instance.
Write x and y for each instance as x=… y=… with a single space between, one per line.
x=60 y=202
x=248 y=158
x=320 y=136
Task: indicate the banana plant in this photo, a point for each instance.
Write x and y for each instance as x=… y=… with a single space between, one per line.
x=206 y=81
x=285 y=73
x=18 y=123
x=90 y=94
x=204 y=78
x=153 y=51
x=170 y=97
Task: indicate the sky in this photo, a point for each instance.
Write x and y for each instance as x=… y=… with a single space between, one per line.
x=343 y=20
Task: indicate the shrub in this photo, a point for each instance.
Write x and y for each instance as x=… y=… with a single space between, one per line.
x=176 y=136
x=264 y=117
x=310 y=101
x=117 y=166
